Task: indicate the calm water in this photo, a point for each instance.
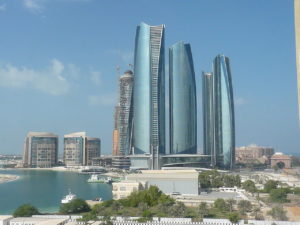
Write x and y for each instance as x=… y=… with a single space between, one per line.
x=45 y=189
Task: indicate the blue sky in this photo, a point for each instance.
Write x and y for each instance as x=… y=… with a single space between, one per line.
x=58 y=63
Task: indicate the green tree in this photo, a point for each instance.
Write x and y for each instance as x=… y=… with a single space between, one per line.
x=244 y=206
x=116 y=205
x=204 y=180
x=249 y=186
x=221 y=205
x=296 y=191
x=217 y=181
x=230 y=202
x=178 y=210
x=233 y=217
x=279 y=195
x=278 y=213
x=26 y=210
x=203 y=209
x=75 y=206
x=270 y=185
x=237 y=181
x=147 y=213
x=231 y=180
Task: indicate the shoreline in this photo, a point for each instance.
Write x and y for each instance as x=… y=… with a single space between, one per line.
x=63 y=169
x=5 y=178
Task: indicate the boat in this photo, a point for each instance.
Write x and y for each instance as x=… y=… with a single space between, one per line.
x=68 y=198
x=95 y=178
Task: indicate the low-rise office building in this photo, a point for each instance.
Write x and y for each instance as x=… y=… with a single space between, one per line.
x=40 y=150
x=170 y=181
x=37 y=221
x=4 y=219
x=123 y=189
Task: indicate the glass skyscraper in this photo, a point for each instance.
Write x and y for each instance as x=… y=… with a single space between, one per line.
x=218 y=114
x=208 y=118
x=297 y=32
x=149 y=91
x=183 y=102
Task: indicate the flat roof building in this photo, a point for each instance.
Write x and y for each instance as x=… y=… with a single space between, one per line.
x=40 y=150
x=79 y=150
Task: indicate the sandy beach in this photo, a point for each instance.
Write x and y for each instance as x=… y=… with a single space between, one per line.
x=7 y=178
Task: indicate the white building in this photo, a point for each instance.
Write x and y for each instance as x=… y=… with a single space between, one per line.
x=37 y=221
x=125 y=188
x=4 y=220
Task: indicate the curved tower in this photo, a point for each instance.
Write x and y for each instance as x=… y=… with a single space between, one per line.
x=149 y=94
x=183 y=102
x=297 y=33
x=208 y=116
x=224 y=127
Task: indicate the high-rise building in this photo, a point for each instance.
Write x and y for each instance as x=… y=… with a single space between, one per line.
x=149 y=92
x=116 y=148
x=297 y=32
x=79 y=150
x=74 y=149
x=208 y=118
x=125 y=113
x=93 y=149
x=218 y=114
x=183 y=102
x=40 y=150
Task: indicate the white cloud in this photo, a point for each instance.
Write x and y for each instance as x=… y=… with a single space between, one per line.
x=96 y=77
x=105 y=99
x=2 y=7
x=54 y=80
x=34 y=6
x=37 y=6
x=240 y=101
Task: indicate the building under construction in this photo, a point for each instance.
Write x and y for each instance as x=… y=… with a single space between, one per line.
x=123 y=116
x=116 y=149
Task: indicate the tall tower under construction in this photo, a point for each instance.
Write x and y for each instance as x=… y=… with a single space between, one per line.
x=116 y=148
x=125 y=113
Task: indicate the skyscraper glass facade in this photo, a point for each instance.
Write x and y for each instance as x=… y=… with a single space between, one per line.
x=149 y=90
x=183 y=102
x=218 y=114
x=125 y=114
x=297 y=32
x=40 y=150
x=74 y=149
x=93 y=149
x=208 y=118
